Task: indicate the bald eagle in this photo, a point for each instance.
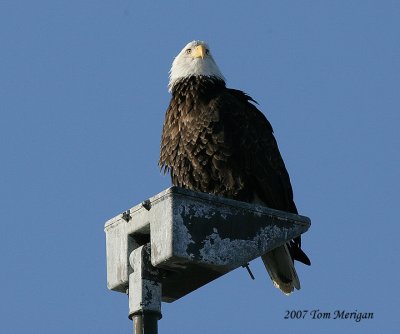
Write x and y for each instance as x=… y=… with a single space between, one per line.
x=216 y=141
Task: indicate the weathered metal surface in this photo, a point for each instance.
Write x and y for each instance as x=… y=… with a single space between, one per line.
x=144 y=292
x=195 y=237
x=144 y=284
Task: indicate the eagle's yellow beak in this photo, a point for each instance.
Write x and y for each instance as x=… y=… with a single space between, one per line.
x=199 y=51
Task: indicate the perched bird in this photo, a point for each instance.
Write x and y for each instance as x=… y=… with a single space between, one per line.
x=216 y=141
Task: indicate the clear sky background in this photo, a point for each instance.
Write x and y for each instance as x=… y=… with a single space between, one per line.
x=83 y=93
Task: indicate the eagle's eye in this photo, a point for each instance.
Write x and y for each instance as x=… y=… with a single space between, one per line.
x=207 y=52
x=188 y=51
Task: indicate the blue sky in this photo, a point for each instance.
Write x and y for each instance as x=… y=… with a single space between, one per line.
x=83 y=92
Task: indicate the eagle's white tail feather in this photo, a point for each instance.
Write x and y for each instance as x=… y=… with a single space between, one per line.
x=280 y=267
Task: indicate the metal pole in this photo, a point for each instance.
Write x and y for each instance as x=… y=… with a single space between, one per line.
x=146 y=323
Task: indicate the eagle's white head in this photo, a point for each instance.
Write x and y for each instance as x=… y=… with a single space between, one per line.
x=194 y=59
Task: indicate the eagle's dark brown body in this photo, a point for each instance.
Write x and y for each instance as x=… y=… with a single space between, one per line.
x=216 y=141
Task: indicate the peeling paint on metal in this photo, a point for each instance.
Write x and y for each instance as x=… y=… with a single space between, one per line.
x=235 y=252
x=181 y=243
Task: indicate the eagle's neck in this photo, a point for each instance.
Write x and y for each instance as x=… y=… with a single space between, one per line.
x=199 y=85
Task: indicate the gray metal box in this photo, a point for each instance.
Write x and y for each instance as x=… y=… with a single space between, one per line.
x=194 y=237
